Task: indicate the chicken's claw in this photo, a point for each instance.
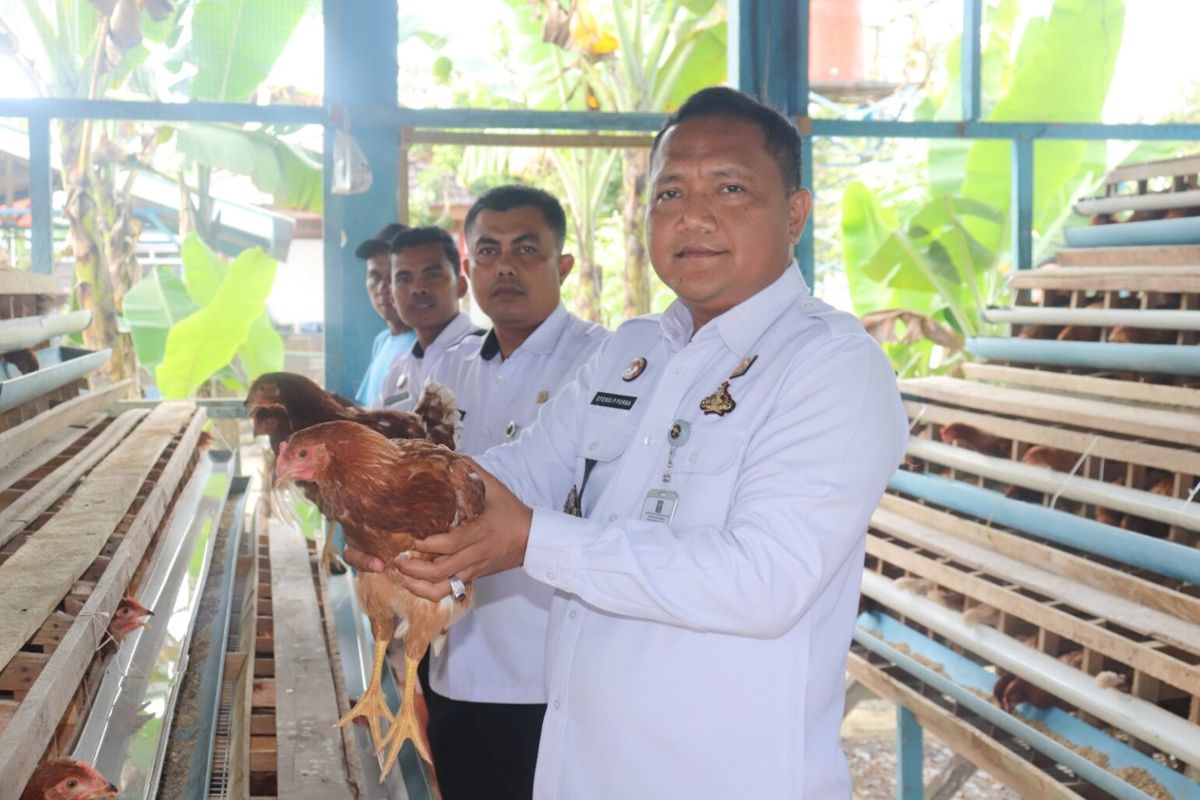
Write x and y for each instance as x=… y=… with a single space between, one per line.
x=406 y=726
x=372 y=705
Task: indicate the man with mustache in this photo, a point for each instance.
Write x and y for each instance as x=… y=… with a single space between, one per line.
x=488 y=694
x=426 y=288
x=396 y=338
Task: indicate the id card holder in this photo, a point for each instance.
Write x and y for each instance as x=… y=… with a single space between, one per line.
x=659 y=506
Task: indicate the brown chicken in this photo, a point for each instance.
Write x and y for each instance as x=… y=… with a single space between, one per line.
x=1009 y=689
x=1048 y=458
x=280 y=403
x=1123 y=334
x=65 y=779
x=129 y=616
x=386 y=494
x=26 y=361
x=961 y=435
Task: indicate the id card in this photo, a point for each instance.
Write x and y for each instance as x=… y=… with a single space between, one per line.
x=659 y=506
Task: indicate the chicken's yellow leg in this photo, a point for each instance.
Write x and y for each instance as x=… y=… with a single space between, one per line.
x=372 y=704
x=405 y=725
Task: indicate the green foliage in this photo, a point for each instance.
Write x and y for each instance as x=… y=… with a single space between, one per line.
x=210 y=324
x=236 y=42
x=275 y=166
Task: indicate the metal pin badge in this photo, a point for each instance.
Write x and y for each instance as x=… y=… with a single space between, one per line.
x=719 y=402
x=403 y=379
x=679 y=432
x=510 y=430
x=543 y=396
x=635 y=368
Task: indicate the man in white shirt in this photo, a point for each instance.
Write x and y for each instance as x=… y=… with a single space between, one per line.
x=488 y=685
x=724 y=459
x=426 y=288
x=396 y=338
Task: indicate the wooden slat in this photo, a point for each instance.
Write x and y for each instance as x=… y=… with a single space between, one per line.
x=1151 y=255
x=1095 y=445
x=41 y=453
x=1133 y=279
x=33 y=502
x=34 y=724
x=966 y=740
x=1019 y=548
x=1167 y=426
x=17 y=440
x=23 y=281
x=1109 y=388
x=1086 y=632
x=310 y=762
x=1145 y=170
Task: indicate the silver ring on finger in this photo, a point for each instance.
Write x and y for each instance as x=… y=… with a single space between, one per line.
x=458 y=588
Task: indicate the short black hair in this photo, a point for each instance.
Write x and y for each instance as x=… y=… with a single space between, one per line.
x=380 y=242
x=782 y=138
x=516 y=195
x=415 y=237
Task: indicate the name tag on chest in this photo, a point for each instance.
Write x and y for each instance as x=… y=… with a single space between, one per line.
x=399 y=397
x=607 y=400
x=659 y=506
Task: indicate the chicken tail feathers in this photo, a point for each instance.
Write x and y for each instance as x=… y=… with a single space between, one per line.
x=439 y=413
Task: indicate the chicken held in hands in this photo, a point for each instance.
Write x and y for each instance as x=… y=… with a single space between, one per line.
x=388 y=494
x=67 y=779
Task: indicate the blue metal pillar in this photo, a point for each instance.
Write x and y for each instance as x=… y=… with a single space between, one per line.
x=910 y=756
x=768 y=58
x=361 y=70
x=40 y=182
x=970 y=58
x=1022 y=202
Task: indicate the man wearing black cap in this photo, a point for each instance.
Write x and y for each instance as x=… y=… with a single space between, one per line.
x=397 y=338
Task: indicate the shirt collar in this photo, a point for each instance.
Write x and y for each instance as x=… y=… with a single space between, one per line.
x=453 y=333
x=741 y=326
x=541 y=341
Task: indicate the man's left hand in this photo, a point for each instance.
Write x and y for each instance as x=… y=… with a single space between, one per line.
x=492 y=542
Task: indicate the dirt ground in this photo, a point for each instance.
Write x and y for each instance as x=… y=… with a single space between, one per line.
x=869 y=739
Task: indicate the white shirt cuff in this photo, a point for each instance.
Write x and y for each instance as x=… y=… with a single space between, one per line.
x=555 y=547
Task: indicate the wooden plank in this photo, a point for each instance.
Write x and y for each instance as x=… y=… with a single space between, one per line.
x=1097 y=446
x=23 y=281
x=1168 y=426
x=1132 y=279
x=17 y=440
x=1169 y=510
x=33 y=502
x=1109 y=388
x=1153 y=255
x=965 y=739
x=34 y=459
x=1086 y=632
x=311 y=763
x=1069 y=566
x=35 y=722
x=1145 y=170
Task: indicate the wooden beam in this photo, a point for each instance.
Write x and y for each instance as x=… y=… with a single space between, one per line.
x=15 y=441
x=33 y=502
x=1166 y=426
x=33 y=459
x=1107 y=388
x=965 y=739
x=35 y=721
x=1133 y=257
x=1131 y=279
x=24 y=281
x=310 y=762
x=1019 y=548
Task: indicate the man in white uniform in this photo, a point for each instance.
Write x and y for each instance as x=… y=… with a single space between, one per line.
x=488 y=693
x=426 y=288
x=724 y=458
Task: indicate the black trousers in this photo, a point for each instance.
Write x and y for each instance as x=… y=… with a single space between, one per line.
x=482 y=751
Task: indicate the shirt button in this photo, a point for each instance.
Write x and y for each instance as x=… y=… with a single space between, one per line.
x=557 y=705
x=692 y=458
x=593 y=446
x=499 y=379
x=550 y=576
x=573 y=614
x=649 y=440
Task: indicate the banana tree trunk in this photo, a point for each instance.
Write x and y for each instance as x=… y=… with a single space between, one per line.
x=587 y=299
x=637 y=279
x=89 y=212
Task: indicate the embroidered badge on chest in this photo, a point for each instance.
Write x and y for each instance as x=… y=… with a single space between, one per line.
x=571 y=506
x=635 y=368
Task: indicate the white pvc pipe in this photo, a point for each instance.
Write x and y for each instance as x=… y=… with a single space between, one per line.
x=1138 y=202
x=1169 y=510
x=1142 y=719
x=25 y=331
x=1097 y=317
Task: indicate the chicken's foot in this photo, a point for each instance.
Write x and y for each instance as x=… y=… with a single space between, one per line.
x=405 y=726
x=372 y=705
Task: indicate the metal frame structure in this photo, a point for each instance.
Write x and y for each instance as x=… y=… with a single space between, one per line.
x=768 y=57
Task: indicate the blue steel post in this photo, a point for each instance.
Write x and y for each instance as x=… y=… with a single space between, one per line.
x=910 y=756
x=1022 y=202
x=970 y=58
x=361 y=70
x=39 y=194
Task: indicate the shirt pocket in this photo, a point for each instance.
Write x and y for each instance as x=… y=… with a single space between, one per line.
x=710 y=450
x=604 y=439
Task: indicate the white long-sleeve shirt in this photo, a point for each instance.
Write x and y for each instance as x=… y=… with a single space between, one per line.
x=401 y=388
x=497 y=653
x=705 y=658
